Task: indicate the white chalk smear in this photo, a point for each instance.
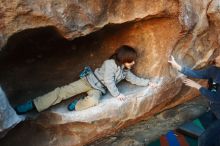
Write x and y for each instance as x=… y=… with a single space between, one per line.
x=8 y=116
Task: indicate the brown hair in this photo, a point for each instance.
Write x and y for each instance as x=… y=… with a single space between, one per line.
x=124 y=54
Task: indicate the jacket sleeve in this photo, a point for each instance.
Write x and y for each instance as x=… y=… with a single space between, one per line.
x=201 y=74
x=109 y=75
x=212 y=96
x=136 y=80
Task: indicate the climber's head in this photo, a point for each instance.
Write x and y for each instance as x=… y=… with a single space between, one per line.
x=125 y=55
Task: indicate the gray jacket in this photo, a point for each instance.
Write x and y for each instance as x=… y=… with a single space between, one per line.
x=110 y=74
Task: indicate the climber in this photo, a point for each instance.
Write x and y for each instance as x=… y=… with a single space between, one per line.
x=211 y=136
x=112 y=71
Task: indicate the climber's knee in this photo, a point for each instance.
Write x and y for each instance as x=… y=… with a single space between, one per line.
x=87 y=102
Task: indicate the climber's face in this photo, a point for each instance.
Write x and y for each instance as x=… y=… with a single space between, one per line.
x=217 y=61
x=129 y=65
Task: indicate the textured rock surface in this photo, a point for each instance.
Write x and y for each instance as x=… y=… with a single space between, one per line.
x=36 y=60
x=146 y=131
x=75 y=18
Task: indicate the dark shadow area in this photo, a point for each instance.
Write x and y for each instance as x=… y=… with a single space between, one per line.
x=27 y=61
x=31 y=43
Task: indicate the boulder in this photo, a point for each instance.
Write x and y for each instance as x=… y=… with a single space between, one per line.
x=47 y=43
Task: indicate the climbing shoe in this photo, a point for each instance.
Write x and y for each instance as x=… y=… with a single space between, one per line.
x=72 y=105
x=24 y=107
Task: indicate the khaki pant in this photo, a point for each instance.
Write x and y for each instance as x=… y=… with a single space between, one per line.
x=61 y=93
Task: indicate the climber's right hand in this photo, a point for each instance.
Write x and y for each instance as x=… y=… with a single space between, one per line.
x=121 y=97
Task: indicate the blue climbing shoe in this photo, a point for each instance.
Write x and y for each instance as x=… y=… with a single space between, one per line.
x=24 y=107
x=72 y=105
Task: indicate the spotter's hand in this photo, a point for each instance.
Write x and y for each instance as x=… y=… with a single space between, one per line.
x=191 y=83
x=175 y=64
